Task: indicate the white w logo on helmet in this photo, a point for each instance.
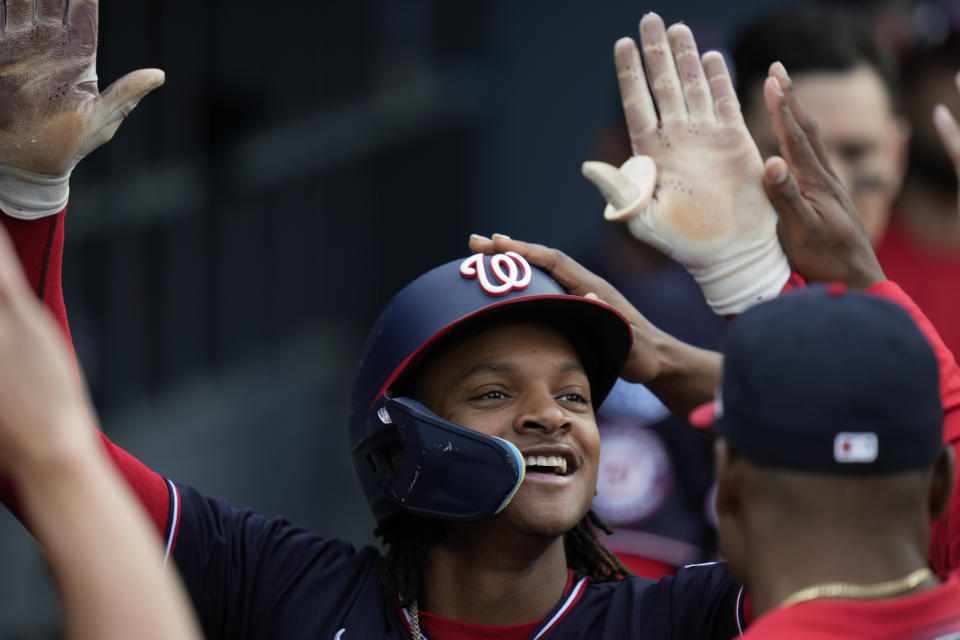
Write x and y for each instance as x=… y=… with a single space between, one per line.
x=510 y=269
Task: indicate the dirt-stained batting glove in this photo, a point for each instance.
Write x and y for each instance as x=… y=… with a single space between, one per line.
x=53 y=114
x=694 y=189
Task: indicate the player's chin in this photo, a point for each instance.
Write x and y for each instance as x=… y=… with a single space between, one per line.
x=548 y=516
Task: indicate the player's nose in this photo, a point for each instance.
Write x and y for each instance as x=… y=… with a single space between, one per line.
x=540 y=411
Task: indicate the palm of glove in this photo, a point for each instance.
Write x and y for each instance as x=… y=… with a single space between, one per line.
x=53 y=112
x=693 y=219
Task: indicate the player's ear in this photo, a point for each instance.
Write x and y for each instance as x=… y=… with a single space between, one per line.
x=728 y=478
x=942 y=481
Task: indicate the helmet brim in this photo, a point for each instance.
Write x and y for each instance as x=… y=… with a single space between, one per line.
x=600 y=334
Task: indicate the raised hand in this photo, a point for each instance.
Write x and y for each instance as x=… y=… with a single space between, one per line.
x=694 y=188
x=682 y=376
x=820 y=228
x=53 y=113
x=949 y=131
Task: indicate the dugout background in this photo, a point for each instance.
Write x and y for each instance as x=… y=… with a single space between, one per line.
x=227 y=252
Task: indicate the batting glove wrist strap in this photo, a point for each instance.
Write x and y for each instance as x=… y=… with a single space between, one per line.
x=28 y=195
x=748 y=278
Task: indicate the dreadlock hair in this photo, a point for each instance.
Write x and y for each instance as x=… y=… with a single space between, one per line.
x=409 y=538
x=587 y=556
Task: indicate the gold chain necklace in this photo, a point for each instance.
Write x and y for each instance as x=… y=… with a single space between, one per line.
x=860 y=591
x=415 y=621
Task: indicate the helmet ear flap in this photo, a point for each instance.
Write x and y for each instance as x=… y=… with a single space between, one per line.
x=380 y=452
x=437 y=474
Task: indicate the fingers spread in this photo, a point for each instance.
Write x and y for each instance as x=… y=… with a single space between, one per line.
x=118 y=101
x=82 y=12
x=725 y=102
x=693 y=82
x=949 y=132
x=627 y=190
x=52 y=11
x=20 y=14
x=638 y=107
x=664 y=81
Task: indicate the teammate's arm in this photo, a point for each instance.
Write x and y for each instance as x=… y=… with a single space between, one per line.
x=107 y=563
x=53 y=114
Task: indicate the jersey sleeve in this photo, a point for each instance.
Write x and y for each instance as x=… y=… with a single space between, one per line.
x=945 y=532
x=255 y=577
x=39 y=246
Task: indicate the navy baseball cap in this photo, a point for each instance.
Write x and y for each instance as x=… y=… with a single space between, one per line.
x=829 y=380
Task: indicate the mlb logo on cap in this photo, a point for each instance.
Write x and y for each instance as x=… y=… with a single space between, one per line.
x=855 y=447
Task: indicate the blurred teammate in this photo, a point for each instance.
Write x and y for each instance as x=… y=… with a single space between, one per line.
x=852 y=89
x=654 y=483
x=849 y=85
x=921 y=251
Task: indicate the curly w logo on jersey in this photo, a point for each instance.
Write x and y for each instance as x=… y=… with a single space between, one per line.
x=510 y=269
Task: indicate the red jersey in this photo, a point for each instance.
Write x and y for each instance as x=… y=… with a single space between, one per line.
x=929 y=615
x=945 y=531
x=931 y=278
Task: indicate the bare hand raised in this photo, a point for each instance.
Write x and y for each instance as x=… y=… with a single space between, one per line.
x=820 y=228
x=694 y=189
x=53 y=113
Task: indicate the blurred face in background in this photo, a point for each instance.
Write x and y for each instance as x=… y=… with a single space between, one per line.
x=866 y=142
x=932 y=85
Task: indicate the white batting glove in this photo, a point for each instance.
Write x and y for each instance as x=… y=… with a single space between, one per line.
x=694 y=190
x=53 y=113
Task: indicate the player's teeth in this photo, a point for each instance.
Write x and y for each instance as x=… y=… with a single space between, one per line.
x=558 y=463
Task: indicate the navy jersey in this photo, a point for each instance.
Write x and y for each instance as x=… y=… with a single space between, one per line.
x=252 y=577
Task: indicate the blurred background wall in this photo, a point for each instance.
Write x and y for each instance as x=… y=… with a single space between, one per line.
x=227 y=252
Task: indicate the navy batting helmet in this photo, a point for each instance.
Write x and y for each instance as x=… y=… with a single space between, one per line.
x=412 y=461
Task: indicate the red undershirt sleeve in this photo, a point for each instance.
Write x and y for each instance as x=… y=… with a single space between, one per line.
x=39 y=245
x=945 y=532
